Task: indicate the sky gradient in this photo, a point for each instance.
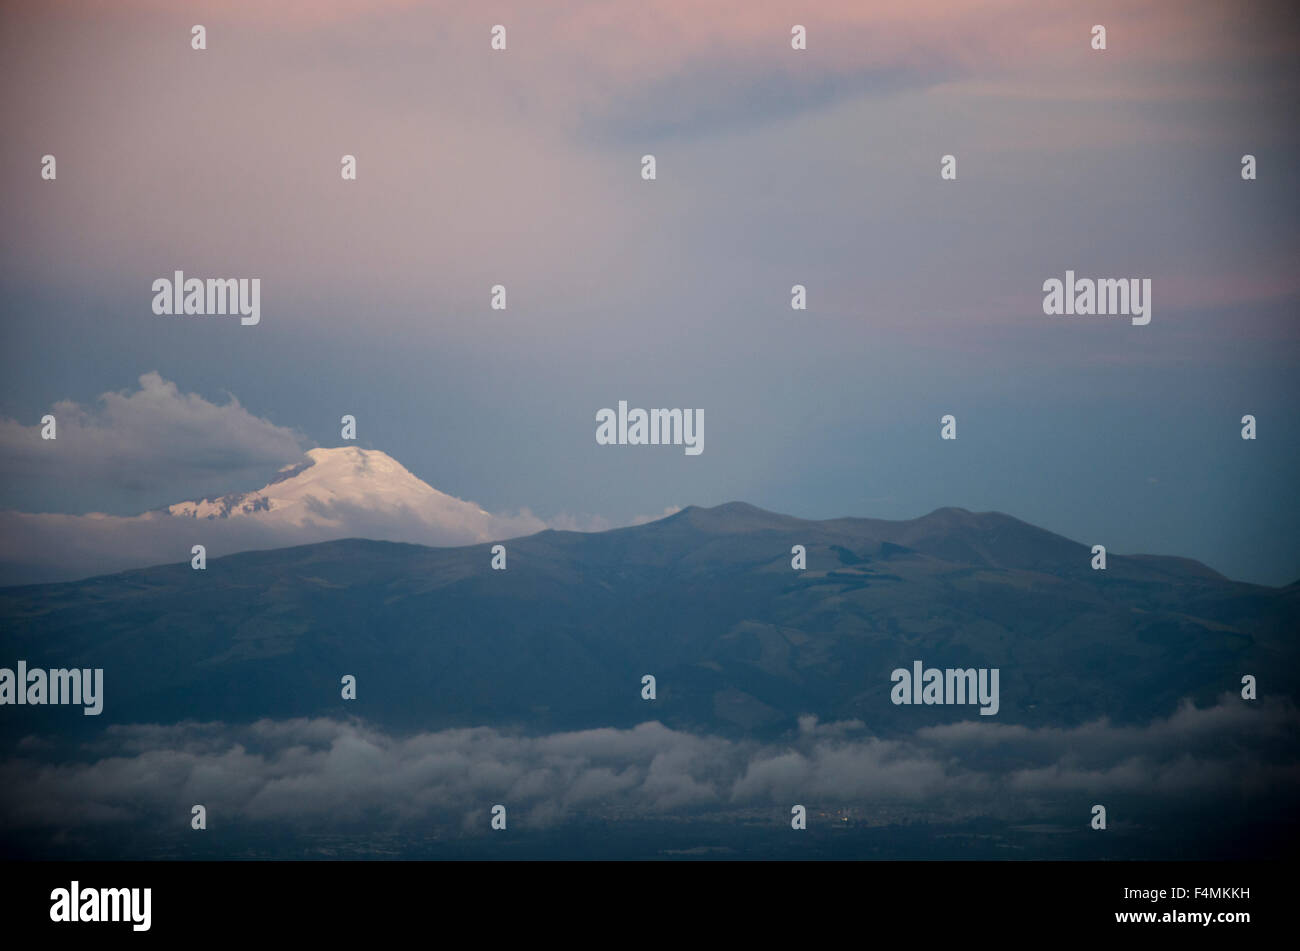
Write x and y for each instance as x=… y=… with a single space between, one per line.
x=775 y=167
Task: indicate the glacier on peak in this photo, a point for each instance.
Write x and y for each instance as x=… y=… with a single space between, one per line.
x=348 y=477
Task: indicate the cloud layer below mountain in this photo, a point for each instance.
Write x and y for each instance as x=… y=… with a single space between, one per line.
x=325 y=773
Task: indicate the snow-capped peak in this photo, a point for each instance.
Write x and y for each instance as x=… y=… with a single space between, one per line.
x=315 y=491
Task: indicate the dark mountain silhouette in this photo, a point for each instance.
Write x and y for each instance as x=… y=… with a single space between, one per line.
x=705 y=600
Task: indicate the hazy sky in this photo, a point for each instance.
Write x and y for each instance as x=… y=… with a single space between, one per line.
x=775 y=167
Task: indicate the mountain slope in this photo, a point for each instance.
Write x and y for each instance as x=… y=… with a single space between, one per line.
x=706 y=600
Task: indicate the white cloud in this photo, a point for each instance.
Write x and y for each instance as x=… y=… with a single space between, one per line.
x=153 y=441
x=323 y=772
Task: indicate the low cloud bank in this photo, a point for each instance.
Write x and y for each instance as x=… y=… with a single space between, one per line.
x=322 y=773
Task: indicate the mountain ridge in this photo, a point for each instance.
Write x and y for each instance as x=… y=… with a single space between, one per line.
x=706 y=600
x=749 y=518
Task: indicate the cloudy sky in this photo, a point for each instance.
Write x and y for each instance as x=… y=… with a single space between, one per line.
x=775 y=167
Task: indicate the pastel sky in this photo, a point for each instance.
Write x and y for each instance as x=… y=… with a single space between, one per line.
x=775 y=167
